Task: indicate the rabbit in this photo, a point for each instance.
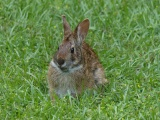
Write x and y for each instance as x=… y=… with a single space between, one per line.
x=75 y=67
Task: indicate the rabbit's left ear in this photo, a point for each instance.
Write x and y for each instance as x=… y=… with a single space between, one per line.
x=67 y=29
x=81 y=30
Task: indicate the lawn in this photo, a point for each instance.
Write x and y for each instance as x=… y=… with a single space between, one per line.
x=124 y=33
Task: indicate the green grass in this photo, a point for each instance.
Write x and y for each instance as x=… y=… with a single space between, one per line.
x=124 y=33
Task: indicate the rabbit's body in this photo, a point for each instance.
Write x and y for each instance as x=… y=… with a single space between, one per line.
x=75 y=65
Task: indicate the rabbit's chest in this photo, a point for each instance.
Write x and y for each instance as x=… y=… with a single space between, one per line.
x=65 y=85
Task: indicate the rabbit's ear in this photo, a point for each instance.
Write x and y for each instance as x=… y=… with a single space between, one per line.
x=81 y=30
x=67 y=29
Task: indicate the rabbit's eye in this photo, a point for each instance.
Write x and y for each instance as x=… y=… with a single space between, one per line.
x=72 y=50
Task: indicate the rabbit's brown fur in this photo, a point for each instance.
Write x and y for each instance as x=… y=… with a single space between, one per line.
x=75 y=66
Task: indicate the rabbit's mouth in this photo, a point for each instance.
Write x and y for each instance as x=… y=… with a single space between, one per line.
x=64 y=69
x=70 y=69
x=60 y=68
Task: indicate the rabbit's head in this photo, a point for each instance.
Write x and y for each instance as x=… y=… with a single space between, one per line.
x=69 y=57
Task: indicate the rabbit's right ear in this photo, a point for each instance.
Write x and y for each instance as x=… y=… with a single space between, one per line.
x=67 y=29
x=82 y=30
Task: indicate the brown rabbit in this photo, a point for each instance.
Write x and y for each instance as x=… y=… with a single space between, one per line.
x=75 y=66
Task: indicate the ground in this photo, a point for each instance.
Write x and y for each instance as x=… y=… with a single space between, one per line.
x=125 y=35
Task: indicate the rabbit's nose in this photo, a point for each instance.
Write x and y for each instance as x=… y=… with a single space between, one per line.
x=60 y=61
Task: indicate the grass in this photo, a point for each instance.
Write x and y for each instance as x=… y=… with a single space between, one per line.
x=125 y=35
